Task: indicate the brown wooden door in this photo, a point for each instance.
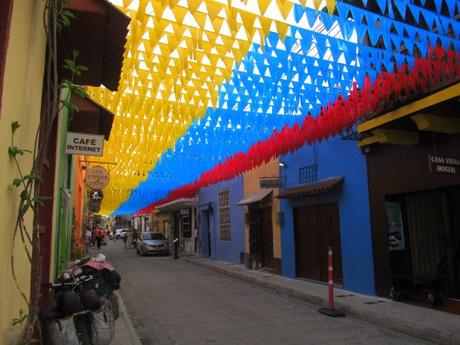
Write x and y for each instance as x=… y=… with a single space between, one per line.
x=254 y=234
x=267 y=237
x=316 y=228
x=261 y=235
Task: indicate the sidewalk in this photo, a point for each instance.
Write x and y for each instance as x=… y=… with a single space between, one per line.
x=438 y=327
x=125 y=334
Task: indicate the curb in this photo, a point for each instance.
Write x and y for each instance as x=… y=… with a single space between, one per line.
x=421 y=331
x=134 y=337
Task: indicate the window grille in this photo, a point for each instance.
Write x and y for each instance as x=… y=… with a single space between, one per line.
x=224 y=215
x=308 y=174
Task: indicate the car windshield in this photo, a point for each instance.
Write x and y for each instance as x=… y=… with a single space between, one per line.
x=153 y=237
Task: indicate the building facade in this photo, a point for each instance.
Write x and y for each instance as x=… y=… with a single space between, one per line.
x=177 y=220
x=413 y=156
x=262 y=225
x=22 y=56
x=325 y=202
x=221 y=233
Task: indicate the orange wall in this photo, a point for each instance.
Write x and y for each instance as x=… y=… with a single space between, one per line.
x=251 y=185
x=79 y=194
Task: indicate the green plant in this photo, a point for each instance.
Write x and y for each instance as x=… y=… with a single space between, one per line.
x=19 y=321
x=64 y=17
x=75 y=70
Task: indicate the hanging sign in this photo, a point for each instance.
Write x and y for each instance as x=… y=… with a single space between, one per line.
x=94 y=200
x=94 y=206
x=444 y=165
x=270 y=182
x=96 y=195
x=84 y=144
x=96 y=177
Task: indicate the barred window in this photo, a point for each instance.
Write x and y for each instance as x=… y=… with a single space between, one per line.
x=224 y=215
x=308 y=174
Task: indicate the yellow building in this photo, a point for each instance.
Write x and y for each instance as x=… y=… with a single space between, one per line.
x=262 y=229
x=22 y=54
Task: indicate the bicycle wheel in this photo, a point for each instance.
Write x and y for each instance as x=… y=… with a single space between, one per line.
x=115 y=306
x=82 y=330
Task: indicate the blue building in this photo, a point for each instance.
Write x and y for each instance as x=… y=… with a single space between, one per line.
x=325 y=202
x=221 y=226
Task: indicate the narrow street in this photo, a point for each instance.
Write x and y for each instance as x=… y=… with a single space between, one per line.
x=174 y=302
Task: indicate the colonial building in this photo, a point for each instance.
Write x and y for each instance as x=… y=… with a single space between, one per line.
x=324 y=202
x=221 y=231
x=413 y=155
x=22 y=57
x=262 y=220
x=177 y=220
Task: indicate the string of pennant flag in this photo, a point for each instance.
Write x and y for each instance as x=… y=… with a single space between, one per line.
x=210 y=89
x=389 y=90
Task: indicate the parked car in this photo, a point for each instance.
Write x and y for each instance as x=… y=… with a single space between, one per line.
x=121 y=233
x=152 y=243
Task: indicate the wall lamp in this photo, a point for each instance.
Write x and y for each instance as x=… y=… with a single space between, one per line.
x=282 y=164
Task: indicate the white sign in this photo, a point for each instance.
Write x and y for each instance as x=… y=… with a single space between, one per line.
x=84 y=144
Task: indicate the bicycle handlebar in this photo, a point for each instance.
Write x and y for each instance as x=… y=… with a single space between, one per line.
x=74 y=283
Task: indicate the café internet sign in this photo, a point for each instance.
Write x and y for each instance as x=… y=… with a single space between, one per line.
x=84 y=144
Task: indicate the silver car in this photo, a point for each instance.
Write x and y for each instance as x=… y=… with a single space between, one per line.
x=152 y=243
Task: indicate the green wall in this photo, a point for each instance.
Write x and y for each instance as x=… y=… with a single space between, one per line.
x=64 y=196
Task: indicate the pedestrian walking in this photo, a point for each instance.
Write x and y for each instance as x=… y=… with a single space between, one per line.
x=88 y=239
x=99 y=237
x=129 y=236
x=134 y=241
x=93 y=237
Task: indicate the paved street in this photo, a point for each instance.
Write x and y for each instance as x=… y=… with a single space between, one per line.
x=174 y=302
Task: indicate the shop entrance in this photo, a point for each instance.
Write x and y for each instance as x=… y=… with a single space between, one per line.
x=261 y=234
x=424 y=245
x=206 y=232
x=316 y=228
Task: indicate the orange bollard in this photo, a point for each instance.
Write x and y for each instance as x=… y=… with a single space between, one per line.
x=330 y=278
x=330 y=310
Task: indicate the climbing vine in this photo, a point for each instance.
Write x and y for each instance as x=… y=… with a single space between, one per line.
x=28 y=183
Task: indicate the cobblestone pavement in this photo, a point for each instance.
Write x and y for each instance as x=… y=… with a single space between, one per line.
x=175 y=302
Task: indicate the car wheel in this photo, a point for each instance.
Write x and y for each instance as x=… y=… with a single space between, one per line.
x=118 y=237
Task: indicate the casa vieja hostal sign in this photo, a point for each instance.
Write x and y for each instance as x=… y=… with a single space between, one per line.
x=444 y=165
x=84 y=144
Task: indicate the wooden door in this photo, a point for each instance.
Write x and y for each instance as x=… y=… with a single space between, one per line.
x=267 y=237
x=254 y=233
x=315 y=229
x=261 y=235
x=328 y=219
x=306 y=242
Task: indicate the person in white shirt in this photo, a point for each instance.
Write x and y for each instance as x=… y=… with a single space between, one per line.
x=88 y=239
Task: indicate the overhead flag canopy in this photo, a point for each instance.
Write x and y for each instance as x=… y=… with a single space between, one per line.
x=209 y=87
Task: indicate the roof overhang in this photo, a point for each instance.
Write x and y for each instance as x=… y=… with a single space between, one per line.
x=91 y=117
x=255 y=197
x=433 y=113
x=177 y=204
x=98 y=32
x=313 y=188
